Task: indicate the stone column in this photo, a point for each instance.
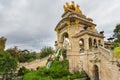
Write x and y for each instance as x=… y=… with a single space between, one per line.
x=86 y=43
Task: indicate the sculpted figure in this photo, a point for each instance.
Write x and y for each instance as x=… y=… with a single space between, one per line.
x=77 y=9
x=68 y=5
x=65 y=8
x=72 y=6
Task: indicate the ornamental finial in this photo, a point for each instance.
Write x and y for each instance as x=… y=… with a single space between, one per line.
x=72 y=6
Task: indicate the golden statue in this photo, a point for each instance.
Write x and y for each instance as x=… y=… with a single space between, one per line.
x=67 y=4
x=77 y=9
x=92 y=28
x=72 y=7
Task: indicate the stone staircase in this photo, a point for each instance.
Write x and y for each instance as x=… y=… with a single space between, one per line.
x=34 y=64
x=108 y=63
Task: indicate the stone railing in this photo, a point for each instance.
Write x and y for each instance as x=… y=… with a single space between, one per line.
x=105 y=52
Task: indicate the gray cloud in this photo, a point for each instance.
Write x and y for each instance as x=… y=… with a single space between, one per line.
x=29 y=24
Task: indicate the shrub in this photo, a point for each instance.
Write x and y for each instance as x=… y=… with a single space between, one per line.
x=22 y=71
x=117 y=52
x=57 y=71
x=76 y=75
x=63 y=51
x=46 y=51
x=43 y=71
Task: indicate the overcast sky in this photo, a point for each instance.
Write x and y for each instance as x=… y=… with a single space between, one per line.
x=29 y=24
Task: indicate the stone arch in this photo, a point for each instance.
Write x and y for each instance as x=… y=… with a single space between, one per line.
x=96 y=72
x=90 y=43
x=95 y=42
x=63 y=36
x=65 y=41
x=81 y=44
x=99 y=42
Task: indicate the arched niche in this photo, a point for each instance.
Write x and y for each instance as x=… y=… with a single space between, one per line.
x=65 y=41
x=99 y=42
x=81 y=44
x=90 y=43
x=64 y=36
x=96 y=72
x=95 y=42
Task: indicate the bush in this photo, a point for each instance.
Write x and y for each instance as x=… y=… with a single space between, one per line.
x=63 y=51
x=46 y=51
x=117 y=52
x=43 y=71
x=57 y=71
x=76 y=75
x=22 y=71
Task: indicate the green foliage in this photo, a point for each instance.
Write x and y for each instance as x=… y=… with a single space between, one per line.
x=22 y=71
x=31 y=76
x=57 y=71
x=76 y=75
x=46 y=51
x=26 y=56
x=7 y=63
x=14 y=52
x=22 y=55
x=117 y=33
x=63 y=52
x=117 y=52
x=116 y=36
x=115 y=44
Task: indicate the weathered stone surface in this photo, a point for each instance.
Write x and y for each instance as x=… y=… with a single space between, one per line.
x=34 y=64
x=90 y=55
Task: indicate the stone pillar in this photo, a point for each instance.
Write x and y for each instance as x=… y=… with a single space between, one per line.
x=86 y=43
x=102 y=42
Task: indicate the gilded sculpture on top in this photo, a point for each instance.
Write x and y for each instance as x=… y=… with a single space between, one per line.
x=72 y=7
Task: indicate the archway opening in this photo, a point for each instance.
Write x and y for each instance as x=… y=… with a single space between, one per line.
x=81 y=44
x=95 y=43
x=96 y=72
x=65 y=36
x=99 y=43
x=66 y=41
x=90 y=43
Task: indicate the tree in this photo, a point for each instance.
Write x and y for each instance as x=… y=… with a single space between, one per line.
x=46 y=51
x=8 y=64
x=14 y=51
x=27 y=56
x=22 y=71
x=116 y=35
x=22 y=55
x=117 y=52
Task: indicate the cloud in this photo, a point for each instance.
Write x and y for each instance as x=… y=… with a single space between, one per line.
x=29 y=24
